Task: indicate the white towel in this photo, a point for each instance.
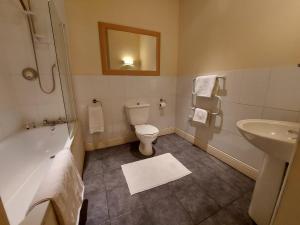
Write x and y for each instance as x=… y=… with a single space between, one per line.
x=200 y=116
x=63 y=186
x=204 y=85
x=96 y=119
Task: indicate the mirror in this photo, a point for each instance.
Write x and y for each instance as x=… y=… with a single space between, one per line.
x=129 y=51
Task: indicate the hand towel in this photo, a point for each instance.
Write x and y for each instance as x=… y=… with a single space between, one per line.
x=96 y=119
x=200 y=116
x=204 y=85
x=63 y=186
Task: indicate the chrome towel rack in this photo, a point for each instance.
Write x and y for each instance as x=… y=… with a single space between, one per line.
x=218 y=112
x=218 y=78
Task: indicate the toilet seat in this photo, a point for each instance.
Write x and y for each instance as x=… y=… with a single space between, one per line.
x=146 y=129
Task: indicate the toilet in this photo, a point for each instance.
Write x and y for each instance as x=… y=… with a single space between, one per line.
x=138 y=115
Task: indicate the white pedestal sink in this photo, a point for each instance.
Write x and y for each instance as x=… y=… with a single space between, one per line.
x=278 y=140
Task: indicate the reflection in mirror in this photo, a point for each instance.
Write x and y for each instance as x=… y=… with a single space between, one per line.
x=129 y=51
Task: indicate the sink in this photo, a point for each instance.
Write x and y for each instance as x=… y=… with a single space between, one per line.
x=277 y=139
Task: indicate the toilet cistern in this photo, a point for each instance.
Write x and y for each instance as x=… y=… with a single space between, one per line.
x=138 y=115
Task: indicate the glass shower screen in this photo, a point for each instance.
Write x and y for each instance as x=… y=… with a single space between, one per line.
x=58 y=30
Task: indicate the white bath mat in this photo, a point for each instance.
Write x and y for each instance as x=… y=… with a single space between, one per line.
x=149 y=173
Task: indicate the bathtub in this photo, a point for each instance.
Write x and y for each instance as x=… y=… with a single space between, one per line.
x=25 y=158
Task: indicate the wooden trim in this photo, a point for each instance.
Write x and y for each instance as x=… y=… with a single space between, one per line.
x=103 y=27
x=3 y=216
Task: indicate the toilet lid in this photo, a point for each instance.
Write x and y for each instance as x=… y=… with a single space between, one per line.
x=146 y=129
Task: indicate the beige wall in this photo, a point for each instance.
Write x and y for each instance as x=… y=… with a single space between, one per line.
x=229 y=34
x=82 y=16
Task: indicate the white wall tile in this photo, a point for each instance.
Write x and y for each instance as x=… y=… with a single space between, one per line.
x=284 y=91
x=237 y=147
x=280 y=114
x=233 y=83
x=233 y=112
x=254 y=86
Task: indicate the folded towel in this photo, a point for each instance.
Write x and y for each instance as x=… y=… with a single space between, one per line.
x=96 y=119
x=63 y=187
x=204 y=85
x=200 y=116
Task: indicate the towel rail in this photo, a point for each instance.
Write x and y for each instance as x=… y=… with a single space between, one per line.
x=218 y=112
x=218 y=77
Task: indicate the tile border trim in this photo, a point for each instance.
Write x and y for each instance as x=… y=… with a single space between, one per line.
x=89 y=146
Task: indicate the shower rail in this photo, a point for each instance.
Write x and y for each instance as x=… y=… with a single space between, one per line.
x=33 y=34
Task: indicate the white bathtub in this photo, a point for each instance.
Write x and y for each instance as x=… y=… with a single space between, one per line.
x=24 y=160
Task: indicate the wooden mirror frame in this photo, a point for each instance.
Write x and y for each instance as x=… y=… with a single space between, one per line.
x=103 y=37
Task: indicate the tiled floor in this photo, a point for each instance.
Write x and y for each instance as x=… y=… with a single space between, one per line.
x=214 y=194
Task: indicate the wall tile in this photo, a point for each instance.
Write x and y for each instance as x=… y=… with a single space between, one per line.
x=279 y=114
x=233 y=112
x=233 y=83
x=284 y=91
x=254 y=86
x=237 y=147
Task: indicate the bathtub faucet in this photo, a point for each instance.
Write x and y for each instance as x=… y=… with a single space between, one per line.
x=60 y=120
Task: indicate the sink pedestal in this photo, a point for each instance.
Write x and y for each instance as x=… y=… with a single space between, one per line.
x=267 y=188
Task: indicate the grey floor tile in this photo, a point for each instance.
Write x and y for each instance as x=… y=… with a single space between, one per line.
x=223 y=217
x=155 y=194
x=92 y=168
x=239 y=209
x=186 y=160
x=114 y=179
x=203 y=174
x=138 y=217
x=182 y=184
x=236 y=179
x=221 y=192
x=96 y=221
x=97 y=207
x=198 y=204
x=94 y=183
x=186 y=201
x=120 y=201
x=115 y=161
x=168 y=211
x=163 y=145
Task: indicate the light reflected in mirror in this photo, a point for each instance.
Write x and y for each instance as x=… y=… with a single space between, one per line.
x=129 y=51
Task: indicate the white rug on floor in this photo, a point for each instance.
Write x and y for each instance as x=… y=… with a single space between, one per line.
x=149 y=173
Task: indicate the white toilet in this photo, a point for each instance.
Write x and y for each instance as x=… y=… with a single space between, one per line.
x=138 y=115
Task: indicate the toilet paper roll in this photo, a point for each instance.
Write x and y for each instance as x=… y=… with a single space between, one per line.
x=162 y=105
